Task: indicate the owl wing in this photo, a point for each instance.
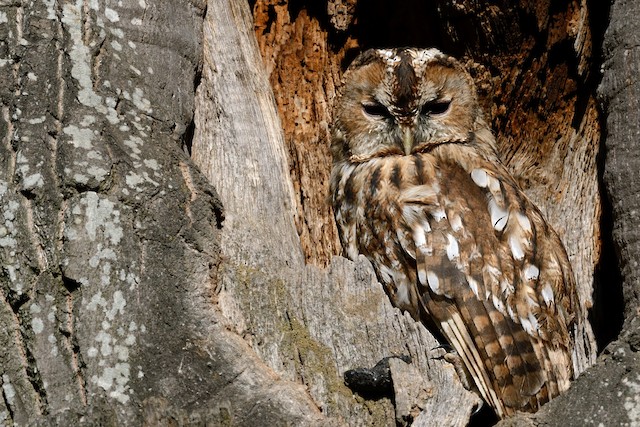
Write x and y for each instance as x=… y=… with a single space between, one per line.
x=494 y=277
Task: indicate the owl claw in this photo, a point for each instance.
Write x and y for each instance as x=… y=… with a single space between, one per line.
x=445 y=347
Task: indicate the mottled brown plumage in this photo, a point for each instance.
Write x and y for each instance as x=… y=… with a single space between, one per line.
x=417 y=187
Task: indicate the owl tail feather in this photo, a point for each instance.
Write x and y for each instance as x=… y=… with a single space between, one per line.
x=499 y=355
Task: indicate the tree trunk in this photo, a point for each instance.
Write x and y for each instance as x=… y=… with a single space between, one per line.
x=110 y=236
x=141 y=286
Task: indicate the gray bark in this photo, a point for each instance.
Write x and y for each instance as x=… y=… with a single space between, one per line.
x=110 y=236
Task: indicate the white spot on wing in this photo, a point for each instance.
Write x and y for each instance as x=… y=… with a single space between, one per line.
x=411 y=213
x=473 y=285
x=524 y=221
x=534 y=322
x=494 y=184
x=419 y=237
x=531 y=272
x=453 y=251
x=516 y=247
x=386 y=273
x=438 y=214
x=422 y=276
x=547 y=294
x=456 y=223
x=498 y=304
x=526 y=325
x=402 y=294
x=506 y=287
x=499 y=215
x=479 y=176
x=433 y=281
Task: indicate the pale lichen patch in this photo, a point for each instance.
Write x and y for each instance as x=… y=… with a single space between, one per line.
x=36 y=120
x=113 y=352
x=117 y=32
x=37 y=325
x=151 y=163
x=102 y=254
x=632 y=400
x=133 y=179
x=134 y=143
x=111 y=14
x=79 y=54
x=118 y=305
x=9 y=210
x=80 y=178
x=96 y=300
x=81 y=137
x=140 y=101
x=54 y=344
x=8 y=389
x=100 y=214
x=97 y=172
x=33 y=181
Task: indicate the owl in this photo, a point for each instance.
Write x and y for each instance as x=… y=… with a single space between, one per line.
x=418 y=188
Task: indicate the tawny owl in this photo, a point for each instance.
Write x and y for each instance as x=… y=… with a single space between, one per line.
x=418 y=188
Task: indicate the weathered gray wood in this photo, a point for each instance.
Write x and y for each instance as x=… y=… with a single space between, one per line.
x=308 y=324
x=110 y=236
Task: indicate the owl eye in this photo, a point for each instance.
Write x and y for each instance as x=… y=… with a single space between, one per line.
x=437 y=106
x=375 y=109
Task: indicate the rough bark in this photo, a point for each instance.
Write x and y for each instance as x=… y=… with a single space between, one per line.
x=110 y=235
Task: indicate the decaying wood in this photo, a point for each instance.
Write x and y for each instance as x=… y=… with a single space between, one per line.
x=304 y=74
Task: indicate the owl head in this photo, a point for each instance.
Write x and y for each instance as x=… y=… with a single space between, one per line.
x=402 y=102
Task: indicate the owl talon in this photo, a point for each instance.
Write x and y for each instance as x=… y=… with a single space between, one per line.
x=445 y=347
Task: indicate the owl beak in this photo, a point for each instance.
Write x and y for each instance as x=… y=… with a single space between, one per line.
x=407 y=139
